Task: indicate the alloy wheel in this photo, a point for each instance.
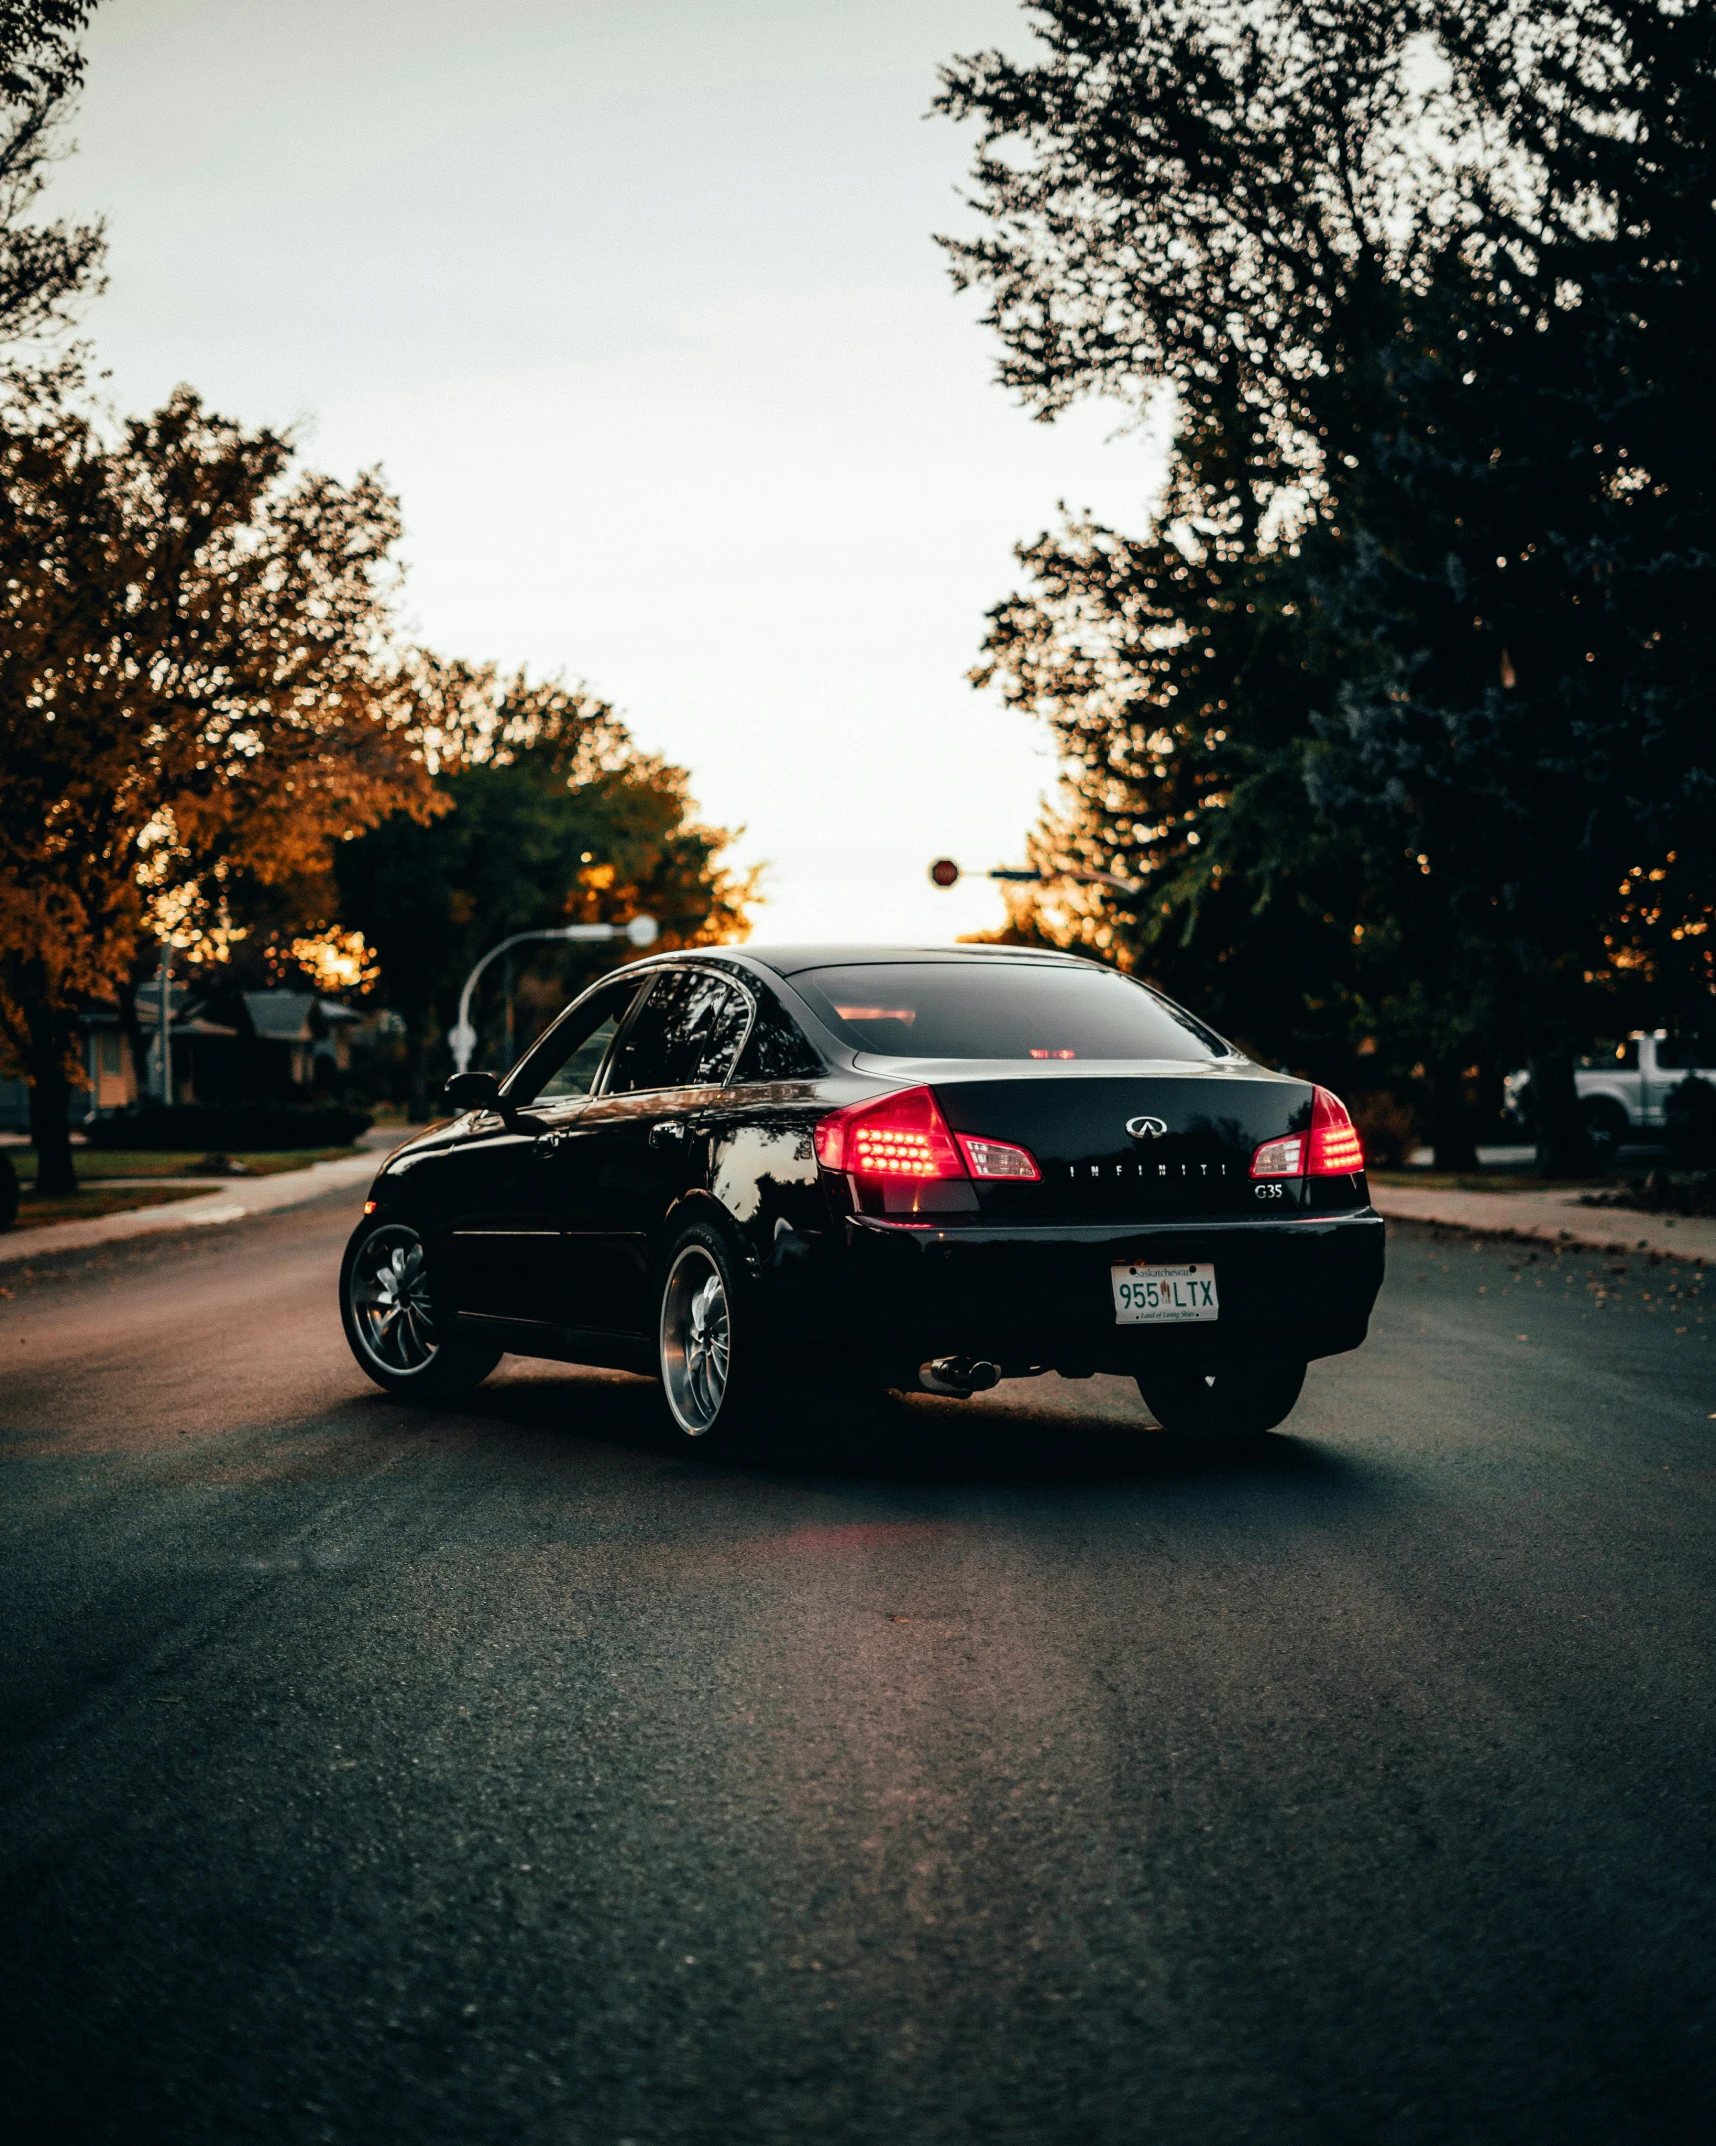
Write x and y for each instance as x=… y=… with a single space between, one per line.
x=695 y=1341
x=391 y=1309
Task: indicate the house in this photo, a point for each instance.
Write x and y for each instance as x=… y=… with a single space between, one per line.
x=271 y=1043
x=296 y=1032
x=107 y=1067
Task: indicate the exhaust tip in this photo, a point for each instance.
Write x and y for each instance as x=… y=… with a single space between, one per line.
x=959 y=1377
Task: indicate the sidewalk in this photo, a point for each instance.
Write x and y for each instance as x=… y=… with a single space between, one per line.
x=231 y=1201
x=1551 y=1218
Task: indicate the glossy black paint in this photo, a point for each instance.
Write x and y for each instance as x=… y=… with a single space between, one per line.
x=547 y=1218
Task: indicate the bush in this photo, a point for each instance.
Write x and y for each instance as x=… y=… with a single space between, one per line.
x=204 y=1128
x=8 y=1191
x=1662 y=1192
x=1690 y=1113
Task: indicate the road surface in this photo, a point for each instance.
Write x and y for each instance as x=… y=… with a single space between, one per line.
x=999 y=1772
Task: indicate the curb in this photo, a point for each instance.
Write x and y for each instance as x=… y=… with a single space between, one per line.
x=234 y=1202
x=1555 y=1218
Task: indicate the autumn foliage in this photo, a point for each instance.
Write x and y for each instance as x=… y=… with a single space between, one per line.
x=196 y=690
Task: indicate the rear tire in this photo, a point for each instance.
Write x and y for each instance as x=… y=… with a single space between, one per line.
x=1230 y=1404
x=388 y=1312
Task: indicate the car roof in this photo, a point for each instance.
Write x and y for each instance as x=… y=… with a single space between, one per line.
x=793 y=960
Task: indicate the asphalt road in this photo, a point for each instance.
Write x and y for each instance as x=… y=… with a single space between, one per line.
x=999 y=1772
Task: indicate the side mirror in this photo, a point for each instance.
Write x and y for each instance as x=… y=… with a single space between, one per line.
x=474 y=1091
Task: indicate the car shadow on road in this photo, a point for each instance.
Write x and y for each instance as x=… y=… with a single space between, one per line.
x=1036 y=1433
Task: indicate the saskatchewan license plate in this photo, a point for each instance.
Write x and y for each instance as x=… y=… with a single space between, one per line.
x=1148 y=1296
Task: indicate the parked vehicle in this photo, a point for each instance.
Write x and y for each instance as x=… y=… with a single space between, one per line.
x=820 y=1169
x=1624 y=1085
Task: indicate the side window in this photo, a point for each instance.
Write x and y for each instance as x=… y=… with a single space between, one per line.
x=567 y=1060
x=685 y=1036
x=1687 y=1050
x=777 y=1049
x=1605 y=1057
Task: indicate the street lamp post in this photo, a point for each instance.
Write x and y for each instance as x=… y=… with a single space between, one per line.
x=945 y=873
x=641 y=931
x=164 y=1027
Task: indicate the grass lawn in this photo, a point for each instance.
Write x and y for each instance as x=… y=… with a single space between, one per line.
x=100 y=1200
x=96 y=1164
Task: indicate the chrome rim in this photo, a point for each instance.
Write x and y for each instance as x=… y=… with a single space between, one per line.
x=695 y=1341
x=390 y=1300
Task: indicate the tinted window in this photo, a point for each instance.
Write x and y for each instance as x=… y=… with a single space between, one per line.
x=777 y=1049
x=1011 y=1010
x=567 y=1060
x=1682 y=1049
x=686 y=1035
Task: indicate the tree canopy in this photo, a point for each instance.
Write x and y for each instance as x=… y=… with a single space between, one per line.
x=1400 y=709
x=196 y=695
x=554 y=816
x=42 y=266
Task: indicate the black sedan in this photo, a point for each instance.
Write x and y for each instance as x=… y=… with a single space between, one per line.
x=745 y=1172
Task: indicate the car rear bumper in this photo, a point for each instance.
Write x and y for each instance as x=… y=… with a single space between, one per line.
x=1043 y=1296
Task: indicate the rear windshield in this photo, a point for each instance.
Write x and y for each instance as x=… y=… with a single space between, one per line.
x=1016 y=1010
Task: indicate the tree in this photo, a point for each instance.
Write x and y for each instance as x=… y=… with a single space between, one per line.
x=1409 y=275
x=1520 y=596
x=554 y=817
x=195 y=694
x=42 y=266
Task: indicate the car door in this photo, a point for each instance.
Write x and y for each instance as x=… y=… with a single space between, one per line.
x=503 y=1246
x=640 y=1145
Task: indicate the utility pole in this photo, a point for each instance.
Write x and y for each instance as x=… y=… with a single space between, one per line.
x=641 y=931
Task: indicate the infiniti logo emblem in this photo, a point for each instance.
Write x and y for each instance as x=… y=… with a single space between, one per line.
x=1146 y=1128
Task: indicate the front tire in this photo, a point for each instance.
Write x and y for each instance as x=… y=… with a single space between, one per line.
x=388 y=1312
x=1230 y=1405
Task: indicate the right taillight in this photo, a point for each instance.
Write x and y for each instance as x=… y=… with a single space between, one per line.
x=1280 y=1158
x=1336 y=1149
x=1332 y=1148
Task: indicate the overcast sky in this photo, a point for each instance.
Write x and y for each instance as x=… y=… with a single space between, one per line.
x=636 y=303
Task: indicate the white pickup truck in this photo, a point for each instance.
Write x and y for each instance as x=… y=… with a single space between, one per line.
x=1623 y=1086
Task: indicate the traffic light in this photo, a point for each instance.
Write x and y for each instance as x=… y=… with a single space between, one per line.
x=944 y=872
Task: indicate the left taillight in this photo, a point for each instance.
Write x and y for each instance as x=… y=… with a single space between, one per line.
x=905 y=1135
x=902 y=1135
x=999 y=1159
x=1332 y=1148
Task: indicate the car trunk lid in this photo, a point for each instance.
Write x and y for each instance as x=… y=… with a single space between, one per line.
x=1129 y=1146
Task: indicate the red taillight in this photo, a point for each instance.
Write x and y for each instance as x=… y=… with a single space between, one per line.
x=999 y=1158
x=1336 y=1149
x=1331 y=1149
x=901 y=1136
x=907 y=1136
x=1280 y=1158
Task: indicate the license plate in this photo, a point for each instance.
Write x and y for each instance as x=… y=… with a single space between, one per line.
x=1150 y=1296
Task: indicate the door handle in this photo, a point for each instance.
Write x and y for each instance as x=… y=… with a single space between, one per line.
x=547 y=1143
x=668 y=1134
